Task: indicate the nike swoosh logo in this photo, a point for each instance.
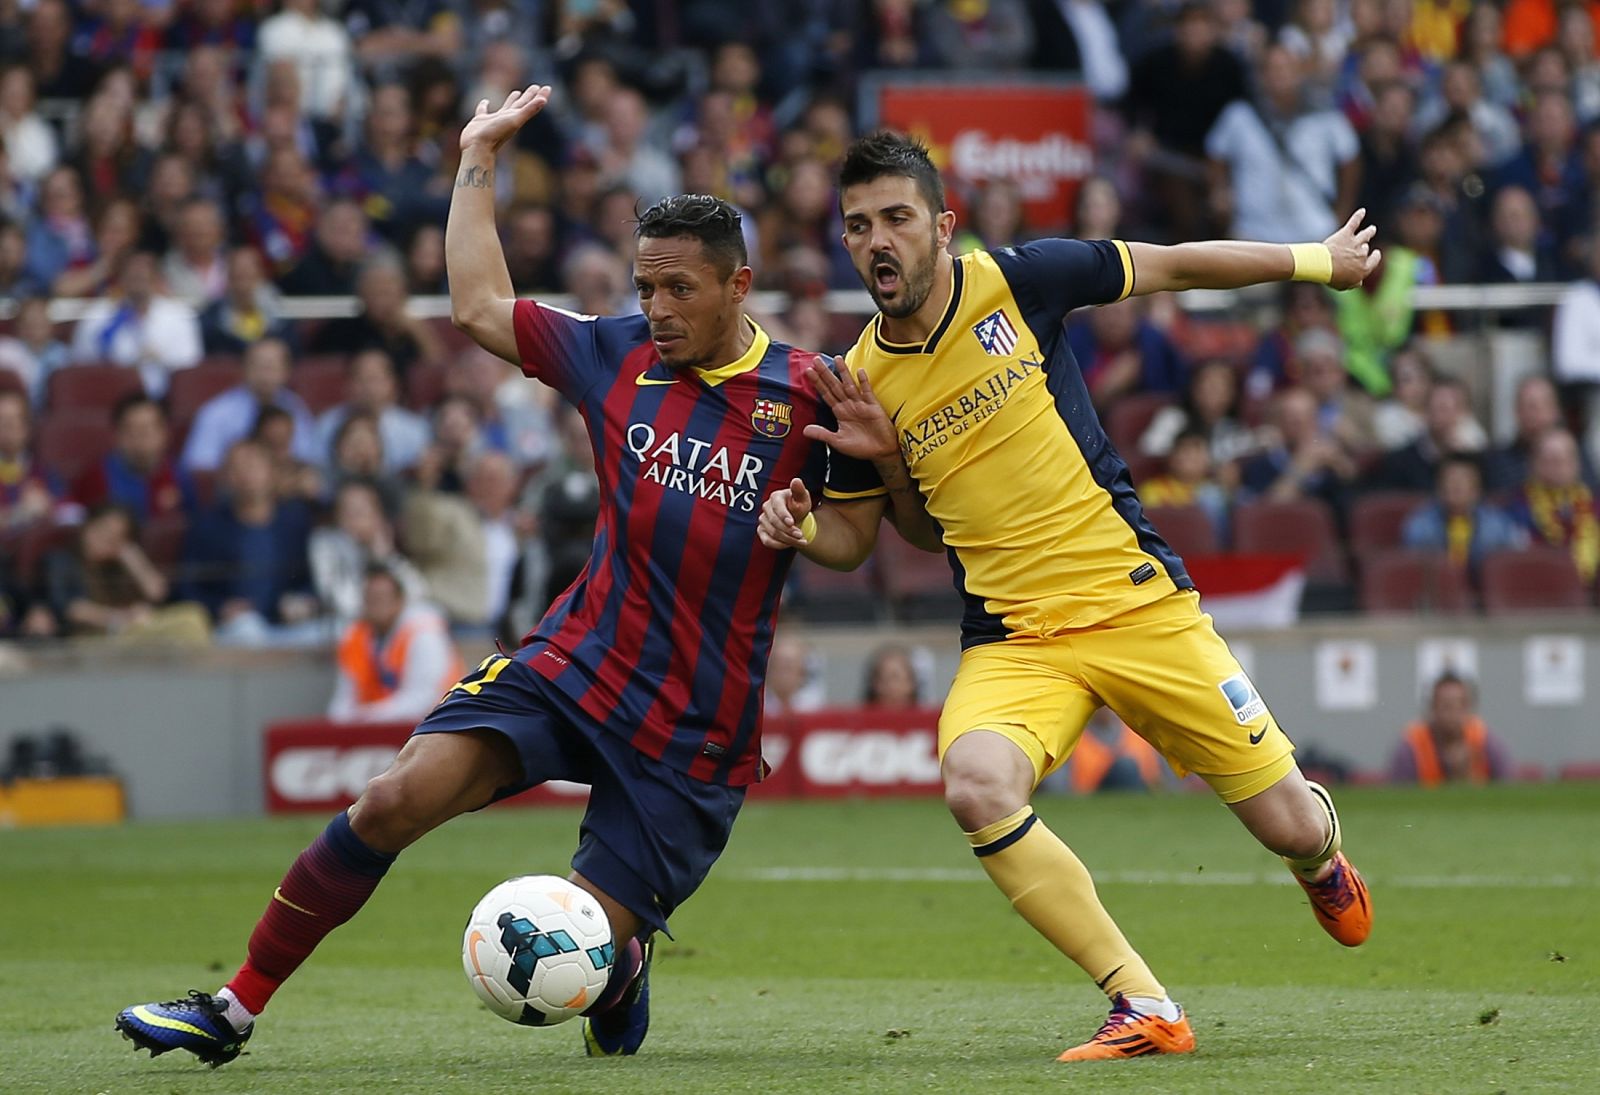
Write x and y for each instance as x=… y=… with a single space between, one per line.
x=644 y=381
x=277 y=895
x=1255 y=739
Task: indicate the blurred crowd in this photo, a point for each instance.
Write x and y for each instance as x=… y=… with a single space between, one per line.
x=185 y=460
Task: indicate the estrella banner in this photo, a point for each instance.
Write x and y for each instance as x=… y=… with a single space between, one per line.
x=1032 y=133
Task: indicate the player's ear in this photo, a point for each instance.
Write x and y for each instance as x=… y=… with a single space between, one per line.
x=944 y=228
x=742 y=279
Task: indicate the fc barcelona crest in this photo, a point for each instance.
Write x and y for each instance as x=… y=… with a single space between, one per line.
x=771 y=418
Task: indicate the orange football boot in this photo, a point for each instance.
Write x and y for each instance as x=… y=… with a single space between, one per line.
x=1341 y=902
x=1128 y=1033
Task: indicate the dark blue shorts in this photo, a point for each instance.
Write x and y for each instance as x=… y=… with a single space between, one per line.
x=650 y=833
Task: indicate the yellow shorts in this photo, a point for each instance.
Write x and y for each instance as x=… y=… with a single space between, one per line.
x=1162 y=668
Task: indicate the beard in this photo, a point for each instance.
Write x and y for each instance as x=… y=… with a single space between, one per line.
x=911 y=289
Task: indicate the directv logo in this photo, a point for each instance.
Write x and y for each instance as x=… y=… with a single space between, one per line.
x=1242 y=696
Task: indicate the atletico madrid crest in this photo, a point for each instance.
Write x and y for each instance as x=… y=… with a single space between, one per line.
x=995 y=334
x=771 y=418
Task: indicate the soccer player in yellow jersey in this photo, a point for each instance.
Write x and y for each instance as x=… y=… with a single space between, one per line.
x=964 y=395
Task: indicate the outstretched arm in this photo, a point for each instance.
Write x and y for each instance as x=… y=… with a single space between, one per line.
x=481 y=296
x=1343 y=261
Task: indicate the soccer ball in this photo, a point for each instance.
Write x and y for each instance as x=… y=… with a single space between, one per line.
x=537 y=950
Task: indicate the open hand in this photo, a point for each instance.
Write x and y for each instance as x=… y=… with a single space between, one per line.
x=493 y=128
x=865 y=431
x=1354 y=257
x=779 y=524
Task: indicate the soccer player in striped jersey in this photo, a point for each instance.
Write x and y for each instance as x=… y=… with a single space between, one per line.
x=1073 y=599
x=644 y=679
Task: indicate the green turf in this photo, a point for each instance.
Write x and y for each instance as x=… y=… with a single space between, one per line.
x=1483 y=974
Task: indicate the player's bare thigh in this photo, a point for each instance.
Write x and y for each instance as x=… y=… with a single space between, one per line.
x=435 y=778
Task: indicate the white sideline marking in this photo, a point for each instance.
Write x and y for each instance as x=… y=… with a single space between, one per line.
x=1159 y=878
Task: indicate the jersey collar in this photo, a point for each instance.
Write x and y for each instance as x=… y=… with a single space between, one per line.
x=659 y=373
x=747 y=361
x=950 y=309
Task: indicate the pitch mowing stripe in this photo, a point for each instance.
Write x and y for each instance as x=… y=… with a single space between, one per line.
x=1159 y=878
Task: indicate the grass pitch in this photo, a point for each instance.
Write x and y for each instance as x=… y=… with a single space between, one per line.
x=851 y=947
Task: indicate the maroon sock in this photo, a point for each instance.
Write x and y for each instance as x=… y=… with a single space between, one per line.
x=624 y=969
x=327 y=885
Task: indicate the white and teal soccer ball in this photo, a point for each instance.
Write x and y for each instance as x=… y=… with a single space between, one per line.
x=537 y=950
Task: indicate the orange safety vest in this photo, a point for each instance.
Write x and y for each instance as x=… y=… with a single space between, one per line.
x=1092 y=758
x=1430 y=773
x=376 y=667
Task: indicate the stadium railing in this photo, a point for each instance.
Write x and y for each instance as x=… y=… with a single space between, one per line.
x=856 y=302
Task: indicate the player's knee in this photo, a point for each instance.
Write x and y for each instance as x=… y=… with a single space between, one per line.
x=1301 y=839
x=977 y=798
x=385 y=816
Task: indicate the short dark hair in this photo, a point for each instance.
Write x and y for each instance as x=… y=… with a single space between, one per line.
x=265 y=417
x=132 y=402
x=889 y=153
x=379 y=570
x=1449 y=677
x=1462 y=460
x=716 y=224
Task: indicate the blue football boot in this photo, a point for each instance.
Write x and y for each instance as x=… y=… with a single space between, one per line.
x=198 y=1024
x=619 y=1030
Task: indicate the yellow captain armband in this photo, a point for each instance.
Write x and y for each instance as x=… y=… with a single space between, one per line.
x=1312 y=262
x=808 y=527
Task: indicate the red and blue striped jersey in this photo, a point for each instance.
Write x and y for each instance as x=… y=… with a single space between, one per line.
x=664 y=637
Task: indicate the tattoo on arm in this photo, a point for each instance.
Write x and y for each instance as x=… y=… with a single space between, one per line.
x=475 y=176
x=898 y=480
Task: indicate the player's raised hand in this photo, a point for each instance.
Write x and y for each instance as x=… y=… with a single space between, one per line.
x=865 y=431
x=778 y=527
x=493 y=128
x=1354 y=257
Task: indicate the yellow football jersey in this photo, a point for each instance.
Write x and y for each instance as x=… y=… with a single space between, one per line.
x=1043 y=529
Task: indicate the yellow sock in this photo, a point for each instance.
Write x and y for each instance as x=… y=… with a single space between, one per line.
x=1309 y=868
x=1052 y=890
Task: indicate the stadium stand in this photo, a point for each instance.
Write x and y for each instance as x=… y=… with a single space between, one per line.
x=316 y=171
x=1403 y=581
x=1535 y=580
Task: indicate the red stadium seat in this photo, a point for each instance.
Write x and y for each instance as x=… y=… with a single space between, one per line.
x=1580 y=770
x=1140 y=466
x=454 y=340
x=319 y=380
x=425 y=385
x=1536 y=580
x=917 y=582
x=29 y=547
x=1186 y=528
x=1303 y=527
x=189 y=389
x=72 y=439
x=85 y=386
x=162 y=539
x=1397 y=580
x=1376 y=520
x=1128 y=417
